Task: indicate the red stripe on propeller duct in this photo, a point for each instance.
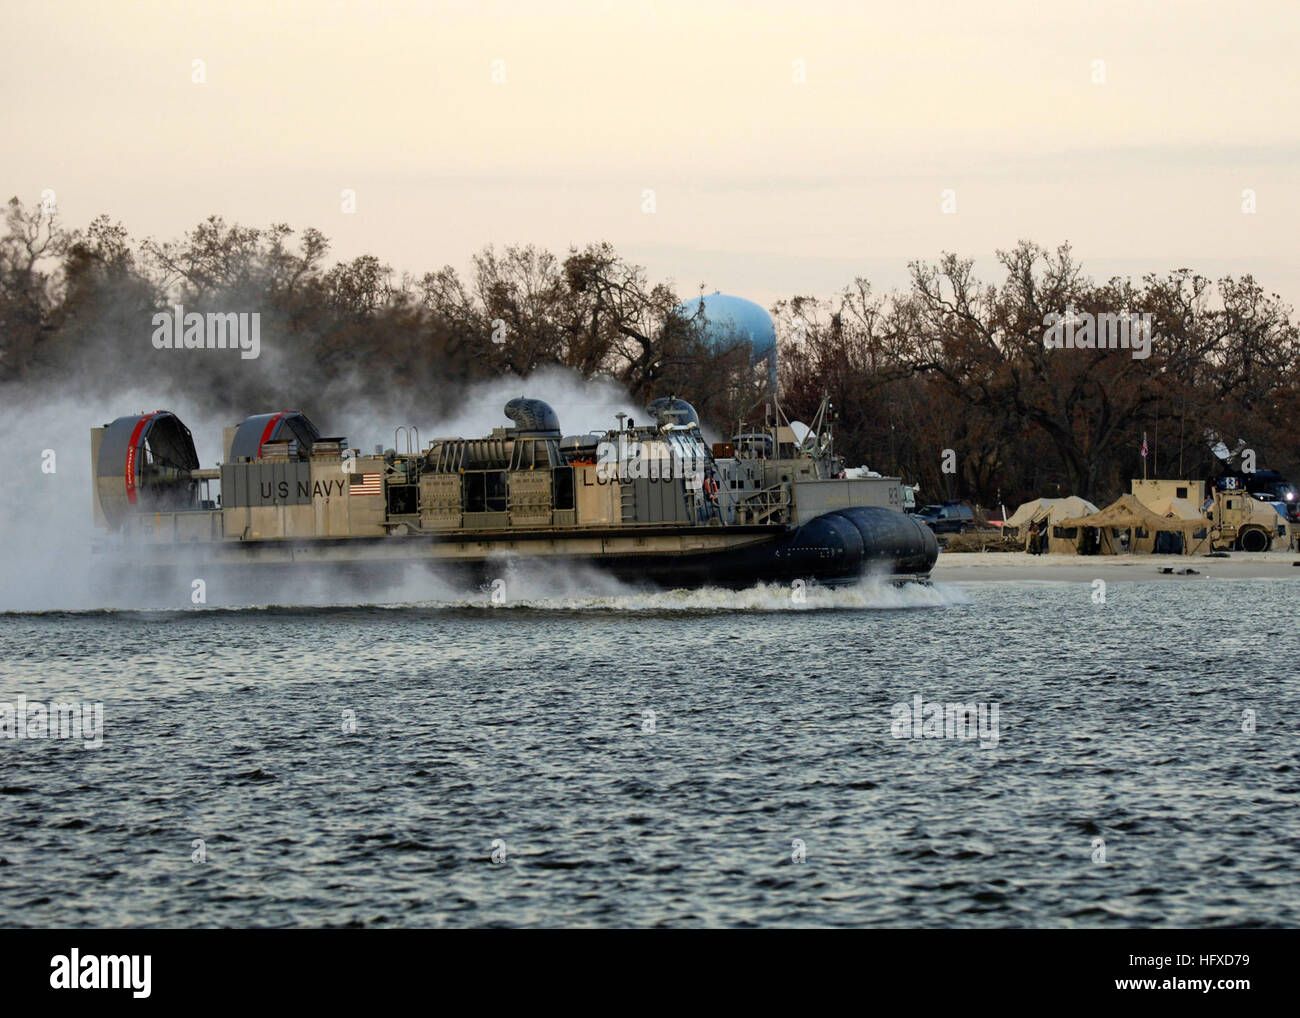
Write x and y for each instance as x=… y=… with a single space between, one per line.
x=131 y=448
x=266 y=432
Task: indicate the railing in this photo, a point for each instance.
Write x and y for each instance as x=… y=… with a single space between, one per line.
x=412 y=439
x=768 y=505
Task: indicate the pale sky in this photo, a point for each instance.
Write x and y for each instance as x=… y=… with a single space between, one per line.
x=764 y=186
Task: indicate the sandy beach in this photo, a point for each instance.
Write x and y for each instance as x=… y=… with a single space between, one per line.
x=984 y=567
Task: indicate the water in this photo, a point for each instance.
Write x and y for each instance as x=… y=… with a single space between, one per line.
x=524 y=729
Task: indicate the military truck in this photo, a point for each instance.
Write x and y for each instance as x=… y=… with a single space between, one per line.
x=1240 y=522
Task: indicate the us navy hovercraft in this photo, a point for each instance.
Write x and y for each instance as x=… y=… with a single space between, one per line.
x=651 y=504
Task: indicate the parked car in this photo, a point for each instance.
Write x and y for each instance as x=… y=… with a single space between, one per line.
x=948 y=519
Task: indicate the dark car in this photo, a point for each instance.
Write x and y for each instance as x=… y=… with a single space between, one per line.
x=948 y=519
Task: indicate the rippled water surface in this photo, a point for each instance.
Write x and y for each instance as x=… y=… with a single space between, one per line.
x=525 y=729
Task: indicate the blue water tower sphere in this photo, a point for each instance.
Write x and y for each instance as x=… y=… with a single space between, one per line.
x=728 y=319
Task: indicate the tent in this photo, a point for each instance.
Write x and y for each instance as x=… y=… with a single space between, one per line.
x=1176 y=508
x=1145 y=529
x=1045 y=511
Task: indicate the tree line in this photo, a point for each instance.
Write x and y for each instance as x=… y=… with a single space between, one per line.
x=951 y=362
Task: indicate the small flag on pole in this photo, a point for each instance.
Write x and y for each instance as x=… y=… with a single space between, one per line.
x=1144 y=445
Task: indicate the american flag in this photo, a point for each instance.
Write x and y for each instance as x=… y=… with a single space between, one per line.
x=364 y=484
x=1144 y=445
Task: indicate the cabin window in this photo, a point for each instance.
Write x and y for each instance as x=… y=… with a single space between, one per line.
x=475 y=495
x=485 y=491
x=563 y=494
x=403 y=499
x=1180 y=492
x=496 y=491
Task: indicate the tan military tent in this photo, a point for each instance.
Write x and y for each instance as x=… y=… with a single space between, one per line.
x=1177 y=508
x=1127 y=525
x=1044 y=512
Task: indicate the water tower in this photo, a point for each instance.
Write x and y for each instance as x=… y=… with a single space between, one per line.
x=728 y=320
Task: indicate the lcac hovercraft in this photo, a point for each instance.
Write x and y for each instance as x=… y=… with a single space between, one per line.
x=651 y=504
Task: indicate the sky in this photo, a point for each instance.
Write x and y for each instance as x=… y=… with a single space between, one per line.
x=764 y=149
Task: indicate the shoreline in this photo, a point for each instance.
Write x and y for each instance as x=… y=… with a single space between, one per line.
x=1002 y=567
